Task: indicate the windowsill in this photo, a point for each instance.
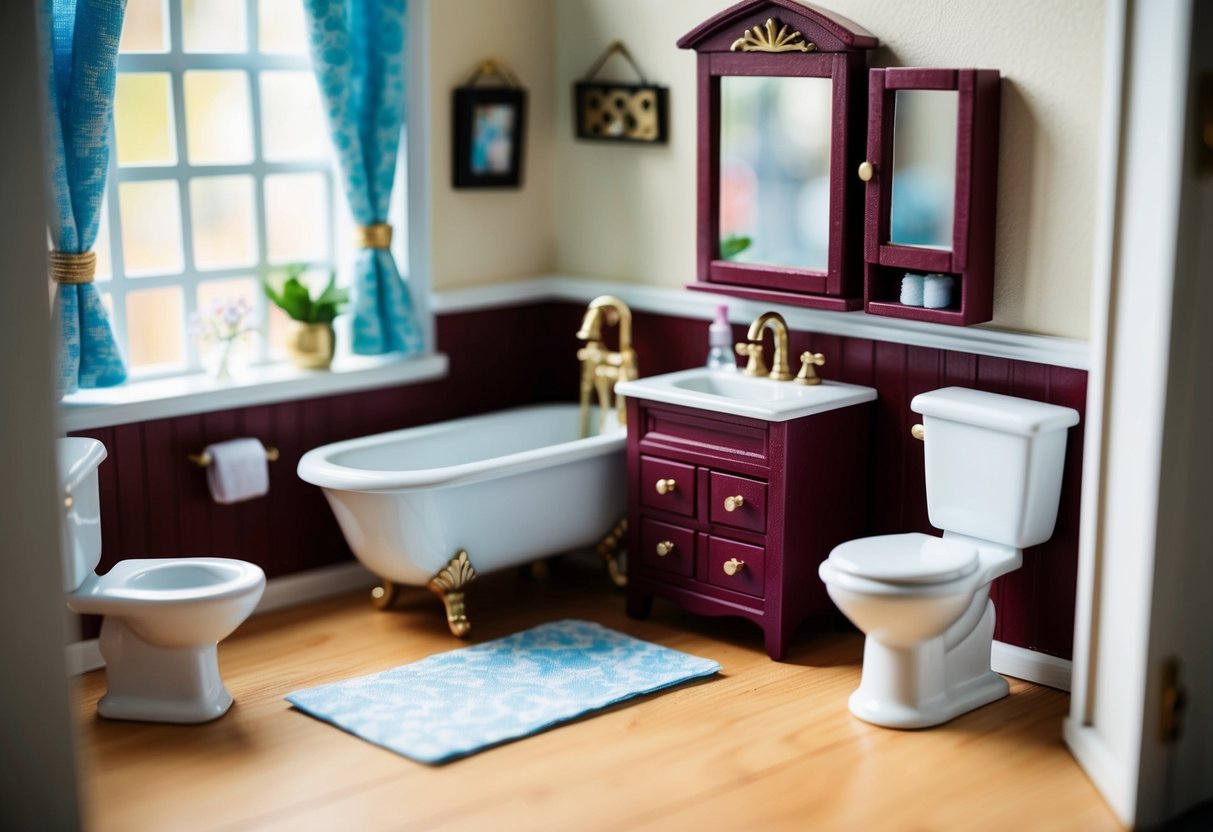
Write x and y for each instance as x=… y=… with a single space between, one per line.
x=143 y=401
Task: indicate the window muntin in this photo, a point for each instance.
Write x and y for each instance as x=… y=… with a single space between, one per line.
x=221 y=172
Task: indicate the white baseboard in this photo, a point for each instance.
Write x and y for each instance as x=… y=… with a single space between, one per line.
x=280 y=593
x=314 y=585
x=83 y=657
x=330 y=581
x=1030 y=666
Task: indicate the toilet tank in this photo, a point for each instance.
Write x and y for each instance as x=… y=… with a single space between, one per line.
x=993 y=464
x=81 y=506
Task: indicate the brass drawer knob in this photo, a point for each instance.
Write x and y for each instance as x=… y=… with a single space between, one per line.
x=918 y=432
x=734 y=503
x=732 y=566
x=666 y=486
x=664 y=548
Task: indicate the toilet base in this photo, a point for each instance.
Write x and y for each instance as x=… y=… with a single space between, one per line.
x=159 y=684
x=922 y=685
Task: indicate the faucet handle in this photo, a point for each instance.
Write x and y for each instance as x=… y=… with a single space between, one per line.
x=755 y=366
x=807 y=374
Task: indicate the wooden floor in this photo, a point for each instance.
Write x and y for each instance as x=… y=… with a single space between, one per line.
x=765 y=745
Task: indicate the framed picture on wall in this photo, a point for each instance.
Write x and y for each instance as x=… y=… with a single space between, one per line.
x=489 y=131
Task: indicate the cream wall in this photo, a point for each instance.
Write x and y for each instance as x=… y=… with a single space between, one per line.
x=486 y=236
x=628 y=212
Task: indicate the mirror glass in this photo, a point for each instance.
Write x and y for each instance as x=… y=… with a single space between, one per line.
x=775 y=170
x=924 y=168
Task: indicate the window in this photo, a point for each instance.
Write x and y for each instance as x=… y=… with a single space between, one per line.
x=220 y=175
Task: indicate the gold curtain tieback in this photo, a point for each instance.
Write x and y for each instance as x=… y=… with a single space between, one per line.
x=73 y=268
x=377 y=235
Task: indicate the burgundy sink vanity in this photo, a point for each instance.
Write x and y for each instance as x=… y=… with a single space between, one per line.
x=729 y=515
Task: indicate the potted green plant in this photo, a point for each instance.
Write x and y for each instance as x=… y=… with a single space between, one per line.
x=311 y=340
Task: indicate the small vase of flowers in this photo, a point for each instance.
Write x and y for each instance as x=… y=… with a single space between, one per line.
x=311 y=342
x=224 y=330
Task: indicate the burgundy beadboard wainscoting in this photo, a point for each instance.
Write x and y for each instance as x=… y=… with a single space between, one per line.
x=155 y=502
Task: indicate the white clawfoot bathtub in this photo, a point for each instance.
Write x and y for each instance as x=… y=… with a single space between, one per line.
x=507 y=488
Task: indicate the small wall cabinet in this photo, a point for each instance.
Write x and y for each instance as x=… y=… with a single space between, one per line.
x=932 y=184
x=792 y=124
x=731 y=516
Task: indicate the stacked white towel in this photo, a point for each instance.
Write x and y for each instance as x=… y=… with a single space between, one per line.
x=238 y=471
x=937 y=291
x=911 y=290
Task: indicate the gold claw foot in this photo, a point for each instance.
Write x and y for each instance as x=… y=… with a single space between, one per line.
x=608 y=550
x=385 y=595
x=448 y=585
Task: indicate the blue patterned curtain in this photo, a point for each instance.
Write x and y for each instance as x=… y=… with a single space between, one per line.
x=357 y=49
x=80 y=47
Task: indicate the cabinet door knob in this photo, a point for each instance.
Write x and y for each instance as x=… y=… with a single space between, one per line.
x=664 y=548
x=666 y=486
x=918 y=432
x=732 y=566
x=734 y=503
x=866 y=170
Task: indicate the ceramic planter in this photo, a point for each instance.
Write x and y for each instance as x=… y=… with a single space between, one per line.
x=310 y=345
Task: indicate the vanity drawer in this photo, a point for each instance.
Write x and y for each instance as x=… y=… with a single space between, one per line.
x=666 y=485
x=745 y=561
x=739 y=502
x=666 y=547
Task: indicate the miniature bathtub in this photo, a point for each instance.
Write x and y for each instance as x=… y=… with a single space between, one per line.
x=434 y=505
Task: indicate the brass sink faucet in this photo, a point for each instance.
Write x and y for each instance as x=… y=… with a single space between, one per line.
x=601 y=368
x=752 y=347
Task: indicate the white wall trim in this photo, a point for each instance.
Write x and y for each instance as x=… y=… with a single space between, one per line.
x=280 y=593
x=1112 y=727
x=187 y=395
x=978 y=340
x=1030 y=665
x=1100 y=764
x=418 y=160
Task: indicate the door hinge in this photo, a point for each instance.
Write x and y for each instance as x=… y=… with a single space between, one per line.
x=1173 y=701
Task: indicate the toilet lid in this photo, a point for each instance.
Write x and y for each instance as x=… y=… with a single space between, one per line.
x=905 y=558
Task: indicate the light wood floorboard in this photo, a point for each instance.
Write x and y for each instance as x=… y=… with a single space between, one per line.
x=765 y=745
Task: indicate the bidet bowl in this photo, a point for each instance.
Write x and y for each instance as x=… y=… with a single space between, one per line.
x=732 y=392
x=174 y=602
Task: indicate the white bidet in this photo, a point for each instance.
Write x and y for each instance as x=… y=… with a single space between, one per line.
x=163 y=621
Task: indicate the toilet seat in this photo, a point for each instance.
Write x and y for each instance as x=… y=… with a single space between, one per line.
x=912 y=559
x=151 y=582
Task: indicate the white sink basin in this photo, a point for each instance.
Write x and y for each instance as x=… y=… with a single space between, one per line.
x=723 y=391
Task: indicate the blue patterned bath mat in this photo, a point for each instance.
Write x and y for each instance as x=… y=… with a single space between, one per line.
x=454 y=704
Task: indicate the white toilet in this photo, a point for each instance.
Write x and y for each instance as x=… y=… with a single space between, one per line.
x=993 y=478
x=163 y=617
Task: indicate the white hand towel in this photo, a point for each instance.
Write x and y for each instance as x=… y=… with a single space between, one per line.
x=911 y=290
x=238 y=471
x=937 y=291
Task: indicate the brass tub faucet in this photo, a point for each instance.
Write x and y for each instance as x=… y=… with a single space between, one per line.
x=601 y=368
x=752 y=347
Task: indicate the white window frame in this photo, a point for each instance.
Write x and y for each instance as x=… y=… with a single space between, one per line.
x=175 y=63
x=185 y=390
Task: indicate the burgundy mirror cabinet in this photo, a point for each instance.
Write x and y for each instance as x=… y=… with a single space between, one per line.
x=821 y=183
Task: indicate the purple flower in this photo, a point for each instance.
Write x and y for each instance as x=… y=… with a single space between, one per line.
x=225 y=319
